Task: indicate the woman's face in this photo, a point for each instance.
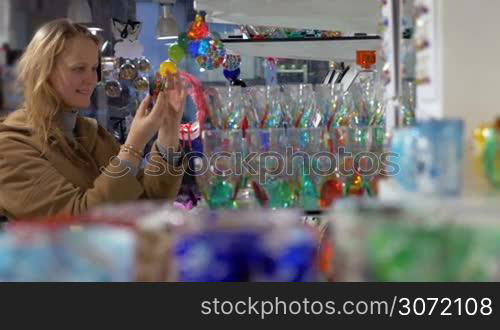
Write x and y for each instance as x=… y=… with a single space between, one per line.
x=75 y=72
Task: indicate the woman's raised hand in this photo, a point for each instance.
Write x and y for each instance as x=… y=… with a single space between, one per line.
x=145 y=125
x=175 y=98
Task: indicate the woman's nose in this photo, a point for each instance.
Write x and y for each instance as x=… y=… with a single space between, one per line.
x=91 y=78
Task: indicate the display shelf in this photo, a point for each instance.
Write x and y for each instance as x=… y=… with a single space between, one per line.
x=341 y=15
x=341 y=49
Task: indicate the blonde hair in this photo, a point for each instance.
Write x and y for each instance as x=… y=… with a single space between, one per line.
x=41 y=101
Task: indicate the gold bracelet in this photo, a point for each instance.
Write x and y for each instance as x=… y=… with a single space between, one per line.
x=134 y=153
x=139 y=151
x=136 y=156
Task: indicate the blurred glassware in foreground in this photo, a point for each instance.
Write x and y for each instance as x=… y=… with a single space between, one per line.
x=419 y=240
x=492 y=155
x=246 y=246
x=430 y=157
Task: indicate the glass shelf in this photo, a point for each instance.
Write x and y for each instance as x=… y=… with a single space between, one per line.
x=341 y=49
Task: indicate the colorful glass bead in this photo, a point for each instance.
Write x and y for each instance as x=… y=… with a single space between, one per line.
x=167 y=67
x=194 y=48
x=198 y=29
x=176 y=53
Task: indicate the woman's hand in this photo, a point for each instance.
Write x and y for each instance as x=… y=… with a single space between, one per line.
x=175 y=97
x=145 y=125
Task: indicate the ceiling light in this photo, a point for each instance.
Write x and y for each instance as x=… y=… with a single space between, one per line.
x=94 y=30
x=166 y=28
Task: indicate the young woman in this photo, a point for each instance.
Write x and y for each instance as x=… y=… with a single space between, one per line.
x=53 y=161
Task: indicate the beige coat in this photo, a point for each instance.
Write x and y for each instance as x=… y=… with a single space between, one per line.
x=35 y=185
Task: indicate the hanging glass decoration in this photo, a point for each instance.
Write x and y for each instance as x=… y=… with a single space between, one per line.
x=203 y=46
x=232 y=75
x=128 y=71
x=198 y=28
x=176 y=53
x=232 y=62
x=211 y=54
x=113 y=88
x=141 y=84
x=144 y=65
x=182 y=40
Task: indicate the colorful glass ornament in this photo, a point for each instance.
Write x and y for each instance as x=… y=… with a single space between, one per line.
x=232 y=75
x=128 y=71
x=194 y=48
x=218 y=51
x=330 y=34
x=182 y=40
x=144 y=65
x=141 y=84
x=176 y=53
x=260 y=194
x=309 y=195
x=113 y=88
x=211 y=54
x=218 y=62
x=355 y=188
x=331 y=191
x=198 y=29
x=204 y=62
x=204 y=47
x=220 y=195
x=258 y=37
x=157 y=86
x=280 y=194
x=399 y=252
x=296 y=35
x=371 y=186
x=492 y=156
x=167 y=67
x=481 y=134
